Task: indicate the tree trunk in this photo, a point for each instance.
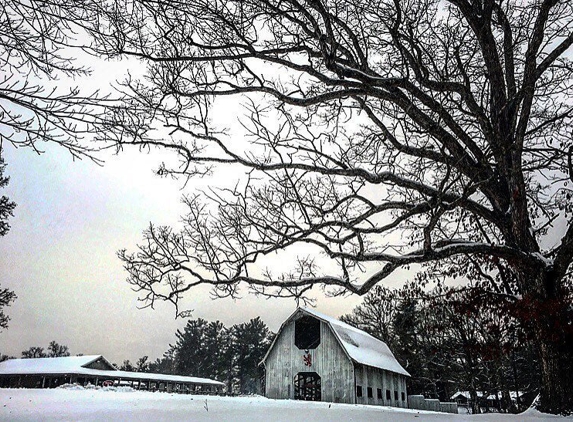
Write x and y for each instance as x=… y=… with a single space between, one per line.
x=550 y=313
x=475 y=405
x=556 y=376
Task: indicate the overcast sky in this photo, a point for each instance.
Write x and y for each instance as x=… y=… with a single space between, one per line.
x=71 y=219
x=60 y=257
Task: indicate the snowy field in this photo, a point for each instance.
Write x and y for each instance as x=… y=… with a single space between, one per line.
x=108 y=405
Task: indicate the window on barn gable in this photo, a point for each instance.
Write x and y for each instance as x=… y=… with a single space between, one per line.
x=388 y=395
x=395 y=395
x=358 y=391
x=307 y=333
x=369 y=392
x=403 y=396
x=379 y=391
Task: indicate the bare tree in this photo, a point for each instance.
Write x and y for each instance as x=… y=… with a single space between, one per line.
x=39 y=49
x=377 y=314
x=380 y=134
x=34 y=352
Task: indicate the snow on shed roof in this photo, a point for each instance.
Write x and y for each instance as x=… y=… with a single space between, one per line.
x=360 y=346
x=59 y=365
x=77 y=365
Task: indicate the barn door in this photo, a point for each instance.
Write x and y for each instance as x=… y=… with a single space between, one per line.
x=307 y=386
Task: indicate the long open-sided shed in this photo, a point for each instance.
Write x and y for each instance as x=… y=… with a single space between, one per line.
x=95 y=370
x=316 y=357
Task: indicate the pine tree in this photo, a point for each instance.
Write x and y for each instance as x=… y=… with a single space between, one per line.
x=6 y=210
x=251 y=341
x=56 y=350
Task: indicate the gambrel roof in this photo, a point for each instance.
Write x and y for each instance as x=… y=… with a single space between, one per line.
x=360 y=346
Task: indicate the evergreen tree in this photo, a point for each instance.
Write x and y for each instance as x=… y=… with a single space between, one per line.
x=251 y=341
x=452 y=339
x=127 y=366
x=189 y=353
x=6 y=206
x=56 y=350
x=6 y=210
x=142 y=364
x=4 y=357
x=165 y=364
x=200 y=349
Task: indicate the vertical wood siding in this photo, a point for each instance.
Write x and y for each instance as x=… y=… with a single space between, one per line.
x=376 y=378
x=339 y=375
x=329 y=361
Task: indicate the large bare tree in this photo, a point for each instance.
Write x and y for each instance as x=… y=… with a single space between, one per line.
x=378 y=133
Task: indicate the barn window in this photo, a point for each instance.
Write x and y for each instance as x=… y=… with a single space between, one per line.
x=369 y=392
x=403 y=396
x=395 y=395
x=379 y=391
x=388 y=395
x=307 y=386
x=358 y=391
x=307 y=333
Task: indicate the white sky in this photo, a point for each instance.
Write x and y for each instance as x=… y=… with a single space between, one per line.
x=71 y=219
x=59 y=257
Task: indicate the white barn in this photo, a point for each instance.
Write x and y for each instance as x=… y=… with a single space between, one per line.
x=316 y=357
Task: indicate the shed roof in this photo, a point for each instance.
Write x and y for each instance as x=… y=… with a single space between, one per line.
x=360 y=346
x=77 y=365
x=60 y=365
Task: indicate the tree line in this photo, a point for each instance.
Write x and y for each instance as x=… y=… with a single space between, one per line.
x=203 y=349
x=453 y=339
x=54 y=350
x=211 y=350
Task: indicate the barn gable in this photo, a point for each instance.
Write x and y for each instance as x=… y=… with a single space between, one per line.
x=308 y=366
x=358 y=345
x=316 y=357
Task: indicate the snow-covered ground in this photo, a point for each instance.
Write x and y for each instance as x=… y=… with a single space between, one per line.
x=125 y=405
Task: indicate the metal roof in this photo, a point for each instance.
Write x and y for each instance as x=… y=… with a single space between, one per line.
x=360 y=346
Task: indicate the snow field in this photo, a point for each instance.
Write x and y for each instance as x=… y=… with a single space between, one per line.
x=123 y=405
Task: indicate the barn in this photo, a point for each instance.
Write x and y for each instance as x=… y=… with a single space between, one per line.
x=316 y=357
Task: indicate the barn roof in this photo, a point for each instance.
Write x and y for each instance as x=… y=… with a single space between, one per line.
x=360 y=346
x=80 y=365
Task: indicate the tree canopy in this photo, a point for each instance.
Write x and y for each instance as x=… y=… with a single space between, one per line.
x=452 y=340
x=380 y=134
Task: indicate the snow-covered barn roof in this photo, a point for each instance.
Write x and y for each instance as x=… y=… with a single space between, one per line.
x=79 y=365
x=360 y=346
